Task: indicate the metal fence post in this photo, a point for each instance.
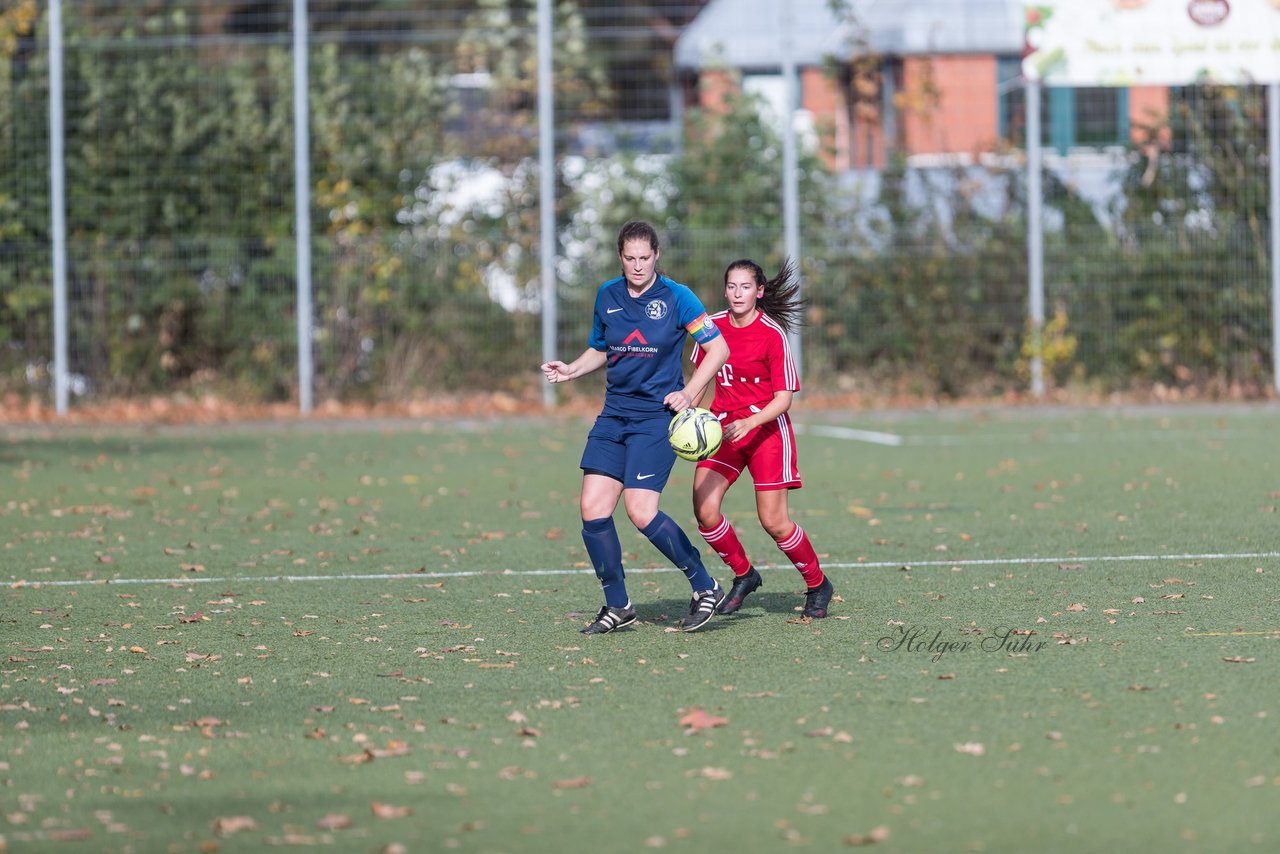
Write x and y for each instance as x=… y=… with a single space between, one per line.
x=302 y=201
x=1273 y=166
x=1035 y=233
x=790 y=169
x=547 y=191
x=58 y=207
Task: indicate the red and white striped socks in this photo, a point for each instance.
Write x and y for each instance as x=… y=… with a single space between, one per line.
x=795 y=546
x=799 y=551
x=724 y=540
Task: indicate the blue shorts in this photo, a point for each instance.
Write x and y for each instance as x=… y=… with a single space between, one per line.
x=634 y=450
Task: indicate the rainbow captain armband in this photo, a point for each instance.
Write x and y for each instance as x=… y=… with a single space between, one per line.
x=703 y=329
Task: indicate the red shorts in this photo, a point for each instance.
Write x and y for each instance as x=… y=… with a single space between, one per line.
x=768 y=452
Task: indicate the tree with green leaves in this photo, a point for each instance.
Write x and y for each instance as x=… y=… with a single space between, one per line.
x=1191 y=299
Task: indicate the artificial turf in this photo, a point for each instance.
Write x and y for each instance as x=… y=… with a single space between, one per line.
x=1056 y=631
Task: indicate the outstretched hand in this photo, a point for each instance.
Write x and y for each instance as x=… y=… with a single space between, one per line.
x=556 y=371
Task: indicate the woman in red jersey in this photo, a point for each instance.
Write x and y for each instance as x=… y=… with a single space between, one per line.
x=753 y=392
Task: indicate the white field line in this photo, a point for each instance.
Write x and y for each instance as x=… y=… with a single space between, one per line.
x=876 y=437
x=871 y=436
x=386 y=576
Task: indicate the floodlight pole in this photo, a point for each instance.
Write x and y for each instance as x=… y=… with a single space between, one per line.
x=1035 y=232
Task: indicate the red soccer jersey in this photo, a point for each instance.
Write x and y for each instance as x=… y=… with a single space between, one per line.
x=759 y=364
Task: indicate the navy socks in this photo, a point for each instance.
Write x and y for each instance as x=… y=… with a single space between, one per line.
x=605 y=551
x=668 y=538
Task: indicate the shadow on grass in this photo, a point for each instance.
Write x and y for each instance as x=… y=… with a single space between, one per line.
x=669 y=612
x=786 y=602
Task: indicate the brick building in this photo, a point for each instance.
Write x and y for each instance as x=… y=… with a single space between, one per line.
x=929 y=79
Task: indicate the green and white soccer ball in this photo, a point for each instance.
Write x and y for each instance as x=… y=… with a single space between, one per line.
x=695 y=434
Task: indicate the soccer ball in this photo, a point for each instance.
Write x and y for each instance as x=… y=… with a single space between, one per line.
x=695 y=434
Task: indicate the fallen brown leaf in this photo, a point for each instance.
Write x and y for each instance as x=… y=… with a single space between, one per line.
x=395 y=747
x=356 y=758
x=72 y=834
x=696 y=720
x=334 y=821
x=382 y=810
x=572 y=783
x=227 y=825
x=875 y=835
x=711 y=773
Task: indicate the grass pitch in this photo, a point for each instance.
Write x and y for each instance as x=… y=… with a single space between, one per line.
x=1057 y=631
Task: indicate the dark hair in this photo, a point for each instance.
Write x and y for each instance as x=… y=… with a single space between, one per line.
x=781 y=298
x=638 y=230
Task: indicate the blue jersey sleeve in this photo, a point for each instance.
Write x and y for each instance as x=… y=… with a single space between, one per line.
x=597 y=340
x=693 y=316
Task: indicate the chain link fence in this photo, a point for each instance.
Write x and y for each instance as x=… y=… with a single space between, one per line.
x=424 y=191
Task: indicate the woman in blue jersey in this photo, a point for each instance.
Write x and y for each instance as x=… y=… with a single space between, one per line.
x=641 y=320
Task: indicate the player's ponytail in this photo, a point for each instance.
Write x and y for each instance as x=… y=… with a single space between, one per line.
x=781 y=299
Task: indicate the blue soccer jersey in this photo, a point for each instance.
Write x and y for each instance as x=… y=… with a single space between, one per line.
x=644 y=341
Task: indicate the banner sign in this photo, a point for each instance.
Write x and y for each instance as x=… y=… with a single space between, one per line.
x=1151 y=42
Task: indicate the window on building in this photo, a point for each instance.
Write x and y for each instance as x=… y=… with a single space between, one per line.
x=1070 y=117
